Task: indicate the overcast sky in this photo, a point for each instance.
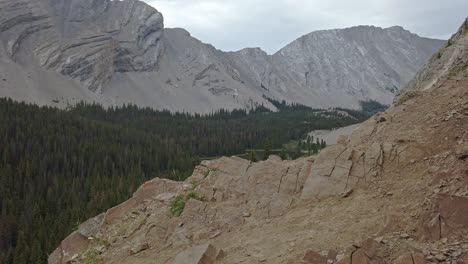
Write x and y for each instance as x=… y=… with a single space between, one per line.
x=271 y=24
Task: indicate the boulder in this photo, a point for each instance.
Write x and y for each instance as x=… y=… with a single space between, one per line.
x=360 y=256
x=157 y=189
x=274 y=158
x=454 y=210
x=74 y=244
x=312 y=257
x=91 y=226
x=329 y=174
x=463 y=259
x=138 y=247
x=449 y=216
x=120 y=210
x=368 y=252
x=410 y=258
x=202 y=254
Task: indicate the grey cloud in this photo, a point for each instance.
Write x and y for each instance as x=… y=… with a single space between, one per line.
x=235 y=24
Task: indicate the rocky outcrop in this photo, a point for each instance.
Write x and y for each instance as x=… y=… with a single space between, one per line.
x=238 y=188
x=449 y=62
x=203 y=254
x=448 y=216
x=87 y=41
x=340 y=167
x=70 y=248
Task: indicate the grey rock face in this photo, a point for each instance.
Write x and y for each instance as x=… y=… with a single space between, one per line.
x=344 y=66
x=115 y=52
x=86 y=40
x=450 y=61
x=191 y=76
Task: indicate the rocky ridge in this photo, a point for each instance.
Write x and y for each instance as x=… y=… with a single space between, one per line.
x=447 y=63
x=395 y=191
x=85 y=40
x=351 y=65
x=115 y=52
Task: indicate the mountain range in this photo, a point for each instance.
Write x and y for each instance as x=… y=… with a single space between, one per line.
x=55 y=52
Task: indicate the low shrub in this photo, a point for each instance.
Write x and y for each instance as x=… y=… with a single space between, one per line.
x=178 y=203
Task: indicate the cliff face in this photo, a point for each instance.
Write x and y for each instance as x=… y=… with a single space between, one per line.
x=395 y=191
x=359 y=63
x=115 y=52
x=86 y=41
x=449 y=62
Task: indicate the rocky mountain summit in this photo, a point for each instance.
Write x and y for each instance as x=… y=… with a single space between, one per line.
x=356 y=64
x=114 y=52
x=85 y=42
x=395 y=191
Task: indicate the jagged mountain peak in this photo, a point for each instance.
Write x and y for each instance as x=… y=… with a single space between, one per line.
x=180 y=31
x=254 y=51
x=82 y=43
x=363 y=29
x=356 y=64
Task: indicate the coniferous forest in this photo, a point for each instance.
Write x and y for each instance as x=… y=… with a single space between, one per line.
x=60 y=167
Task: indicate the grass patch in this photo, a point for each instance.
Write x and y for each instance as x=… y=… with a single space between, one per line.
x=449 y=43
x=178 y=203
x=91 y=256
x=210 y=170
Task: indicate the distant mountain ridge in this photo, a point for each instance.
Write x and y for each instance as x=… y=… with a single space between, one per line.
x=116 y=52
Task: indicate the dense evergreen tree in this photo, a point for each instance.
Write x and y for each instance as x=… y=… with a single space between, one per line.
x=373 y=107
x=267 y=149
x=60 y=167
x=323 y=144
x=253 y=156
x=283 y=154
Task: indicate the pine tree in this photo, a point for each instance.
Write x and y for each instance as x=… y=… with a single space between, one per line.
x=253 y=156
x=323 y=144
x=283 y=154
x=267 y=149
x=298 y=151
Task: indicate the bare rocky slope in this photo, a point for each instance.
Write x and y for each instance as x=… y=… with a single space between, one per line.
x=57 y=52
x=395 y=191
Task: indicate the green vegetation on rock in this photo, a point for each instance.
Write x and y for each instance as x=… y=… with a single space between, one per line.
x=178 y=203
x=209 y=171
